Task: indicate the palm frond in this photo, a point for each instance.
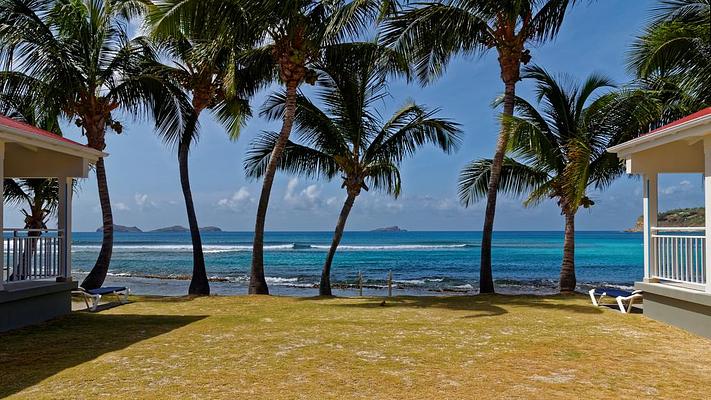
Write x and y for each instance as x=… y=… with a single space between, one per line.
x=516 y=179
x=296 y=159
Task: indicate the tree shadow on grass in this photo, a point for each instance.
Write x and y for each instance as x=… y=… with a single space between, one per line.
x=32 y=354
x=484 y=305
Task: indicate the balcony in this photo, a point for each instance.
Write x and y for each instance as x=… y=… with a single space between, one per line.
x=678 y=257
x=32 y=255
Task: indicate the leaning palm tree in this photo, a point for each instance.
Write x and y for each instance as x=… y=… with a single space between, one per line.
x=675 y=49
x=205 y=74
x=560 y=152
x=432 y=33
x=77 y=56
x=346 y=135
x=290 y=36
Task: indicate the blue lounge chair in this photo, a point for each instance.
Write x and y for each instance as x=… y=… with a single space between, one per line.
x=92 y=297
x=621 y=296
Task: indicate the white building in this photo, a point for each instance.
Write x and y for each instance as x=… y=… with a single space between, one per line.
x=677 y=269
x=35 y=280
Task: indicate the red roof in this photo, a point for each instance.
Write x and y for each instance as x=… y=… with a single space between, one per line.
x=702 y=113
x=27 y=128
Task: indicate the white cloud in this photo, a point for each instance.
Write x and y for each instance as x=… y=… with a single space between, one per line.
x=238 y=201
x=308 y=198
x=120 y=207
x=143 y=201
x=683 y=187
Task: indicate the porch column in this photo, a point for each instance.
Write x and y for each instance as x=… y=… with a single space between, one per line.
x=2 y=204
x=64 y=224
x=650 y=212
x=707 y=209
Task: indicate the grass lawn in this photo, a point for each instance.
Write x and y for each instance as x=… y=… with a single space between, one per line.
x=286 y=348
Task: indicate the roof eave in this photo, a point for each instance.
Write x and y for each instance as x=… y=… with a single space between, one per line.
x=65 y=147
x=628 y=146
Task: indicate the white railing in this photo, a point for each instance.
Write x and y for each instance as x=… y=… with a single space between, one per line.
x=31 y=254
x=679 y=256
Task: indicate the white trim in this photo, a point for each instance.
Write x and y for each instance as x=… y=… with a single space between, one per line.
x=679 y=228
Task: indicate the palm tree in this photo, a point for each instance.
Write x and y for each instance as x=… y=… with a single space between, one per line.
x=434 y=32
x=289 y=37
x=205 y=74
x=347 y=136
x=674 y=51
x=78 y=57
x=560 y=152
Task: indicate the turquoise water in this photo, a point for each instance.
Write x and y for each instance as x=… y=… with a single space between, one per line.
x=421 y=262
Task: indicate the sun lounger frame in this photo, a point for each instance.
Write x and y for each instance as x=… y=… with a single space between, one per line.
x=630 y=300
x=92 y=300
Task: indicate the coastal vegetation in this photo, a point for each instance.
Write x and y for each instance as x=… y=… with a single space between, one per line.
x=435 y=347
x=74 y=62
x=288 y=37
x=347 y=136
x=671 y=58
x=77 y=61
x=213 y=81
x=675 y=218
x=557 y=149
x=432 y=33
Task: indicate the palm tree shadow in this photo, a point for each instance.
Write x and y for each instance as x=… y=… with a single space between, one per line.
x=32 y=354
x=483 y=305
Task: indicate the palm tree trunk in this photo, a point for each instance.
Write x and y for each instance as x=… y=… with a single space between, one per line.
x=98 y=274
x=567 y=270
x=199 y=284
x=486 y=279
x=324 y=288
x=257 y=283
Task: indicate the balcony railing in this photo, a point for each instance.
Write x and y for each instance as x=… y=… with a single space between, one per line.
x=32 y=254
x=679 y=255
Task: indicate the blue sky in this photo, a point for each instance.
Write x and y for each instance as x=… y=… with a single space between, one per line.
x=143 y=173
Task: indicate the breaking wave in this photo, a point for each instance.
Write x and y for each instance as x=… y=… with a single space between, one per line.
x=226 y=248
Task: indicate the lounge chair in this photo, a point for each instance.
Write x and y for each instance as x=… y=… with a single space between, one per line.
x=621 y=296
x=92 y=297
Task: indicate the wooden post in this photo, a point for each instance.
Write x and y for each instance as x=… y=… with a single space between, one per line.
x=650 y=212
x=64 y=225
x=390 y=284
x=360 y=284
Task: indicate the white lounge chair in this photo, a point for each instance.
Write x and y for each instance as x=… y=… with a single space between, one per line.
x=621 y=296
x=92 y=297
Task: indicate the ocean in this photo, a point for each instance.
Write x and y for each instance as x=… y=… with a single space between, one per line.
x=422 y=263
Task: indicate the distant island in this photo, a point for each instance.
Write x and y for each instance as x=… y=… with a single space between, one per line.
x=680 y=217
x=121 y=228
x=180 y=228
x=389 y=229
x=169 y=229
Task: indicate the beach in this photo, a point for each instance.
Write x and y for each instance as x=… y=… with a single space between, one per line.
x=422 y=263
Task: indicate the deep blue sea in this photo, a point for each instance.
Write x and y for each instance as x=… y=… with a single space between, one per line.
x=421 y=262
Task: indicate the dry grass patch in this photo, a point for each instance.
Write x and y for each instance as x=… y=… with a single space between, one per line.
x=412 y=347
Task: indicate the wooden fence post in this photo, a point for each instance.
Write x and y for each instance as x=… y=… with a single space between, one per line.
x=360 y=284
x=390 y=284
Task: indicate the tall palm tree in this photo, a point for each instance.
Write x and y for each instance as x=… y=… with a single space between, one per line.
x=674 y=52
x=346 y=135
x=78 y=57
x=209 y=76
x=432 y=33
x=290 y=36
x=558 y=151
